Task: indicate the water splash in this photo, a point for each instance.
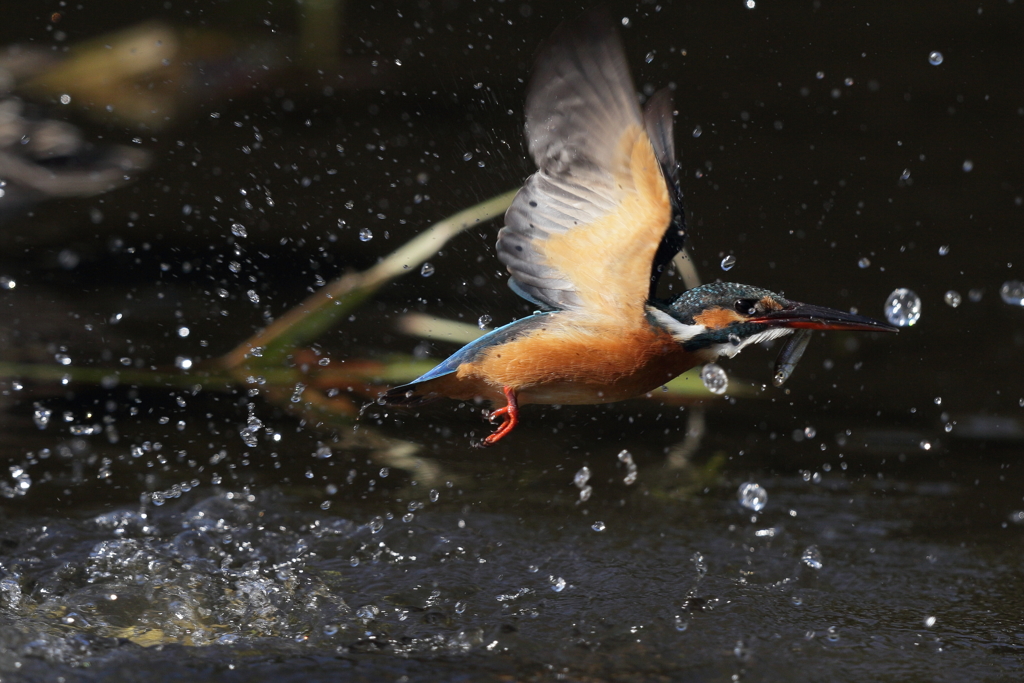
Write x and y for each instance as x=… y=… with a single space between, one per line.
x=812 y=557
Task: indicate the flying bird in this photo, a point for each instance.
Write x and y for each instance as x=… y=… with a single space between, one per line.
x=586 y=240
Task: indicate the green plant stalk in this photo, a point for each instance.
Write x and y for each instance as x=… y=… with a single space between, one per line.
x=182 y=379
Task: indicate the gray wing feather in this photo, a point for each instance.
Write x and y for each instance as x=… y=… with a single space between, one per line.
x=658 y=120
x=579 y=103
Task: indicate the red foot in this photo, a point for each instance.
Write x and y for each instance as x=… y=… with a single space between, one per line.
x=510 y=413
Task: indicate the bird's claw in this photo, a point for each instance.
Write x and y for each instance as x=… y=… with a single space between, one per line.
x=509 y=415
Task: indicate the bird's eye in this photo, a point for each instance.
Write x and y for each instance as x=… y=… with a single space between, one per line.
x=746 y=306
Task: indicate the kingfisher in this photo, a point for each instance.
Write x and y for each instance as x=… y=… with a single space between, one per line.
x=586 y=240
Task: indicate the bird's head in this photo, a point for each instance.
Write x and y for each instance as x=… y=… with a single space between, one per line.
x=722 y=318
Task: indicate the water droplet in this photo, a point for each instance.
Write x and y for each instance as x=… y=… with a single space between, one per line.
x=183 y=331
x=810 y=432
x=238 y=230
x=929 y=622
x=697 y=131
x=6 y=282
x=460 y=607
x=626 y=458
x=467 y=156
x=483 y=321
x=925 y=445
x=975 y=295
x=598 y=526
x=752 y=496
x=681 y=623
x=952 y=298
x=582 y=477
x=182 y=363
x=935 y=58
x=557 y=585
x=41 y=415
x=751 y=4
x=1012 y=292
x=68 y=259
x=943 y=250
x=427 y=270
x=820 y=75
x=253 y=296
x=903 y=307
x=580 y=480
x=649 y=58
x=863 y=262
x=728 y=262
x=365 y=235
x=968 y=166
x=812 y=557
x=905 y=175
x=714 y=378
x=699 y=565
x=248 y=436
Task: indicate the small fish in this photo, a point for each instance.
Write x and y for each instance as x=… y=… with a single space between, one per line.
x=790 y=355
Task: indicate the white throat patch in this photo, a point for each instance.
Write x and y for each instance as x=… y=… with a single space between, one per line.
x=683 y=333
x=680 y=332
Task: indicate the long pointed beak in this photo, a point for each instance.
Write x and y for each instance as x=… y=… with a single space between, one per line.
x=809 y=317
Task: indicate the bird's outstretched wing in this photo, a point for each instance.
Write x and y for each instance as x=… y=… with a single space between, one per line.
x=592 y=229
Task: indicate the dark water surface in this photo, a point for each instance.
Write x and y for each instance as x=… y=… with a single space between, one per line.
x=142 y=539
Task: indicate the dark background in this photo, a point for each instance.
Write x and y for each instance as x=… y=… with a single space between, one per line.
x=811 y=114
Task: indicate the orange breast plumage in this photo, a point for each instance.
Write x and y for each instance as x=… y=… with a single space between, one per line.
x=574 y=359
